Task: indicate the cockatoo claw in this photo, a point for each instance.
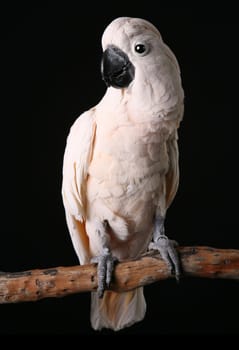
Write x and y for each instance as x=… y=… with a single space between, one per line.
x=105 y=269
x=166 y=248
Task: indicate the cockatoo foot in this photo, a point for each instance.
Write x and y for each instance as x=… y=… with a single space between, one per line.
x=106 y=263
x=166 y=248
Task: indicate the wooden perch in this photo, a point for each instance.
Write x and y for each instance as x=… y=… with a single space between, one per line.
x=57 y=282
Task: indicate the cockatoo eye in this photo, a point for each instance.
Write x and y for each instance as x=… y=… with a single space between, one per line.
x=141 y=49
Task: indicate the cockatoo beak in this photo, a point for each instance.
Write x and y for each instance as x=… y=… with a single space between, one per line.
x=116 y=68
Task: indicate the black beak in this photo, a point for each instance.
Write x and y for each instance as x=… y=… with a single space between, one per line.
x=116 y=68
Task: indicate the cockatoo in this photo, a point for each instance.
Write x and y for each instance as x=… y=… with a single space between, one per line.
x=120 y=170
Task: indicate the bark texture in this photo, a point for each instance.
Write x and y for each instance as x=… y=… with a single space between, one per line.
x=196 y=261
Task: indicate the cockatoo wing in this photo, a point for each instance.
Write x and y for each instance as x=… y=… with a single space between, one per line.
x=77 y=158
x=172 y=176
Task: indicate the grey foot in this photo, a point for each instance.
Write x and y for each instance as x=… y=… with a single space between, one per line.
x=105 y=269
x=168 y=253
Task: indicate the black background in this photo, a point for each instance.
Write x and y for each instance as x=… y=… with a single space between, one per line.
x=50 y=75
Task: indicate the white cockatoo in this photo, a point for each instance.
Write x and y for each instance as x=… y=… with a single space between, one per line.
x=120 y=170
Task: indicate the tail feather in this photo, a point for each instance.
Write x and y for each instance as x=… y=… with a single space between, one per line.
x=117 y=310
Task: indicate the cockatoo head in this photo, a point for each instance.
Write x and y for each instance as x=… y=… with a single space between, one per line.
x=129 y=44
x=138 y=62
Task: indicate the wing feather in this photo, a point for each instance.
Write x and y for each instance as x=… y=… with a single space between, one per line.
x=172 y=176
x=77 y=158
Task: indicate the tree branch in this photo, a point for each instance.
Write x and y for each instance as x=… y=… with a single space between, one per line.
x=60 y=281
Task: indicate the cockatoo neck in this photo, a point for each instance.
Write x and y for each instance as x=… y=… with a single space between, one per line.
x=134 y=96
x=114 y=100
